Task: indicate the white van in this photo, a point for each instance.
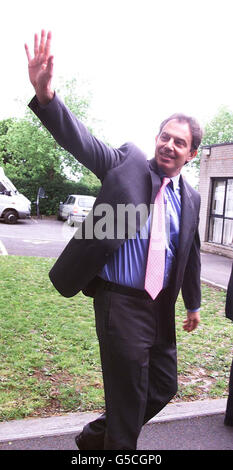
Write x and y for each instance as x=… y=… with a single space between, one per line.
x=13 y=205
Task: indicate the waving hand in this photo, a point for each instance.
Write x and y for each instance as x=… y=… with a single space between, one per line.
x=40 y=67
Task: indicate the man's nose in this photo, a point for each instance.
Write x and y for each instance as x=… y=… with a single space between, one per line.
x=170 y=144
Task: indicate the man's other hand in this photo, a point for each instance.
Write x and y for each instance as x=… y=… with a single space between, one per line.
x=192 y=321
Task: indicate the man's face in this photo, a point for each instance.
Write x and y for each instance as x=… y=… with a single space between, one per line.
x=173 y=147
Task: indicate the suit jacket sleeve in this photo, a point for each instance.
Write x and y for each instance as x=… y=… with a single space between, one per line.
x=191 y=287
x=74 y=137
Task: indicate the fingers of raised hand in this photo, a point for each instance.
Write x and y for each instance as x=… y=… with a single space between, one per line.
x=36 y=49
x=36 y=45
x=27 y=52
x=42 y=49
x=48 y=45
x=42 y=42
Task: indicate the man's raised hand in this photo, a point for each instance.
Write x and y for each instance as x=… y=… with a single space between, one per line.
x=40 y=67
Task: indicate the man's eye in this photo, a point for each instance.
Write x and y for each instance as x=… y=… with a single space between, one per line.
x=179 y=143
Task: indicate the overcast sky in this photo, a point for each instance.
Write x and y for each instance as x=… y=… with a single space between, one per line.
x=143 y=59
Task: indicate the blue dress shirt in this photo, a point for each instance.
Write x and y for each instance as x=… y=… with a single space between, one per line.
x=127 y=265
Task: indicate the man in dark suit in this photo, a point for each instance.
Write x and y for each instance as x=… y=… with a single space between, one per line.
x=135 y=327
x=229 y=314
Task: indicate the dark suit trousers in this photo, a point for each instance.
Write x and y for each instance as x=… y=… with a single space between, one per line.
x=139 y=368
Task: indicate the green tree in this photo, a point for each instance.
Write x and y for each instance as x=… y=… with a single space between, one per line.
x=5 y=125
x=29 y=151
x=218 y=130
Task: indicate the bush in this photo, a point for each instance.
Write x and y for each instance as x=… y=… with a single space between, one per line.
x=56 y=190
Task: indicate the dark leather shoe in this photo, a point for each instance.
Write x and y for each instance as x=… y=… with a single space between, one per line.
x=88 y=443
x=79 y=440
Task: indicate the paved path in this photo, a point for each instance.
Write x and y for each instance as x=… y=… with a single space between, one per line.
x=194 y=425
x=215 y=269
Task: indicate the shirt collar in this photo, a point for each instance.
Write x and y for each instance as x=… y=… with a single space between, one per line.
x=175 y=180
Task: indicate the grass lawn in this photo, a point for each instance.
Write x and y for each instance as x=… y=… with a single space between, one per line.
x=49 y=351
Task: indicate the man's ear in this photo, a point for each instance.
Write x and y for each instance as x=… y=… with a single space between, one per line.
x=193 y=154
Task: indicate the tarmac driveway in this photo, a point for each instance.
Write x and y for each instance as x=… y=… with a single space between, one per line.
x=48 y=237
x=35 y=237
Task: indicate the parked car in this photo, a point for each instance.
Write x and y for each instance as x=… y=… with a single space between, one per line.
x=75 y=208
x=13 y=205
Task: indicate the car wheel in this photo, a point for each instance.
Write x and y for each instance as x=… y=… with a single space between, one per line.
x=10 y=217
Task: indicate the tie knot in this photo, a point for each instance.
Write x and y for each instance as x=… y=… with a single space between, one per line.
x=165 y=182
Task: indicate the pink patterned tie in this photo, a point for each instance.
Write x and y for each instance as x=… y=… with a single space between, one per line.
x=156 y=254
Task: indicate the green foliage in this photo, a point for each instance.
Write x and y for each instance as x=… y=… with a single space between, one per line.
x=217 y=131
x=33 y=151
x=76 y=101
x=220 y=128
x=56 y=191
x=31 y=158
x=5 y=154
x=5 y=124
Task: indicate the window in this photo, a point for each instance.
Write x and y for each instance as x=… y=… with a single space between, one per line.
x=2 y=188
x=221 y=212
x=69 y=200
x=86 y=202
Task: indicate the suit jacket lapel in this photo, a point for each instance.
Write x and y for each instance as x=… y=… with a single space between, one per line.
x=187 y=212
x=155 y=179
x=188 y=219
x=187 y=228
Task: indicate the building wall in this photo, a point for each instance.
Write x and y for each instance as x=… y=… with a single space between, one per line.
x=218 y=164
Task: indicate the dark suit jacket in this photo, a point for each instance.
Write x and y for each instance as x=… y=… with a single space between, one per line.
x=127 y=177
x=229 y=299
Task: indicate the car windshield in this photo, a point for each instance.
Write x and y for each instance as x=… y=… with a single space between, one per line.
x=85 y=202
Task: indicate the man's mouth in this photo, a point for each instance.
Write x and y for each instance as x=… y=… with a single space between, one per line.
x=167 y=156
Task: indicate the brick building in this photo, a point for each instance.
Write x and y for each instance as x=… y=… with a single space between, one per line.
x=216 y=190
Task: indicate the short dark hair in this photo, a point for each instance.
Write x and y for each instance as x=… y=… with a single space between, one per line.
x=194 y=126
